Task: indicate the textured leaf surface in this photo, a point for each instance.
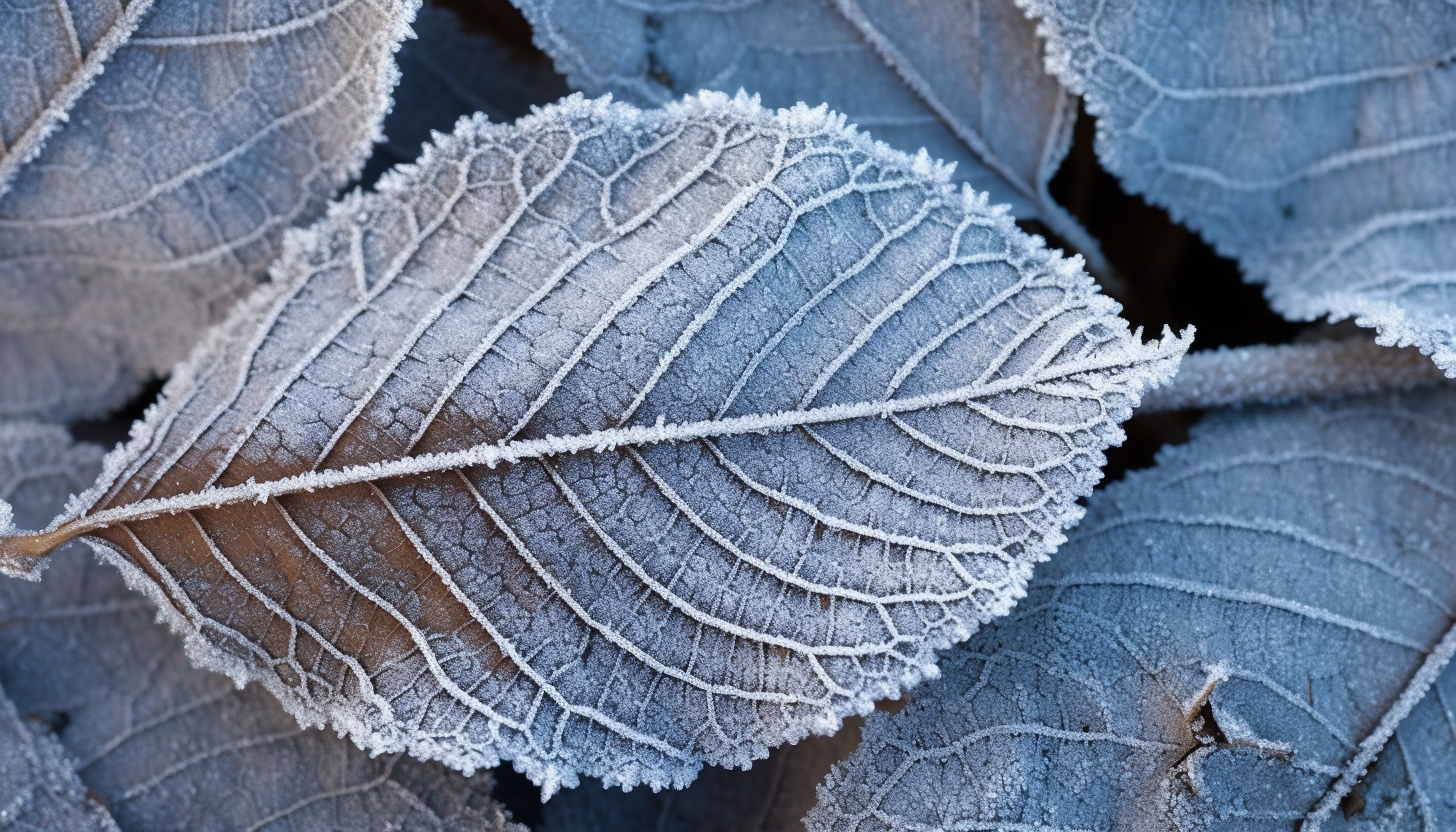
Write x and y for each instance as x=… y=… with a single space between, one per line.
x=151 y=156
x=166 y=746
x=1226 y=642
x=449 y=71
x=961 y=79
x=615 y=442
x=1315 y=143
x=39 y=790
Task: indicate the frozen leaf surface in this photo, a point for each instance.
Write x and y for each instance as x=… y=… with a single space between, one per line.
x=616 y=442
x=1315 y=143
x=961 y=78
x=163 y=745
x=151 y=155
x=39 y=790
x=1227 y=641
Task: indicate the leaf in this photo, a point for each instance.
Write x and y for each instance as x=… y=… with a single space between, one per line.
x=1227 y=641
x=1312 y=143
x=616 y=442
x=962 y=80
x=150 y=158
x=167 y=746
x=38 y=788
x=449 y=72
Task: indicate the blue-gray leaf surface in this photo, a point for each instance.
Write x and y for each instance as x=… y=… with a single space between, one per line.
x=39 y=790
x=1315 y=143
x=961 y=78
x=151 y=155
x=616 y=442
x=163 y=745
x=1227 y=641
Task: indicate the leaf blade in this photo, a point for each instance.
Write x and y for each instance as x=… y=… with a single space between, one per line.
x=359 y=457
x=155 y=184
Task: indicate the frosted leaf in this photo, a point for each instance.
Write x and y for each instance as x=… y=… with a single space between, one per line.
x=166 y=746
x=1312 y=142
x=960 y=78
x=447 y=72
x=1226 y=641
x=151 y=156
x=615 y=442
x=39 y=791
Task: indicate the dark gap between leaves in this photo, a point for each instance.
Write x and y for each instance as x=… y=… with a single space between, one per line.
x=1174 y=278
x=518 y=795
x=115 y=426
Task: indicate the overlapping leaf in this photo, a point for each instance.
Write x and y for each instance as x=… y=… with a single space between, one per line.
x=615 y=442
x=1315 y=143
x=961 y=78
x=39 y=791
x=151 y=155
x=1228 y=641
x=163 y=745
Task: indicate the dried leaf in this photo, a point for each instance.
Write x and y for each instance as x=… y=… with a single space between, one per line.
x=1227 y=641
x=1312 y=142
x=961 y=79
x=151 y=156
x=616 y=442
x=166 y=746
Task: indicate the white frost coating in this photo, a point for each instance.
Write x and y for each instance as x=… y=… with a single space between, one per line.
x=610 y=442
x=1245 y=626
x=1246 y=375
x=164 y=745
x=960 y=78
x=150 y=158
x=39 y=790
x=1314 y=143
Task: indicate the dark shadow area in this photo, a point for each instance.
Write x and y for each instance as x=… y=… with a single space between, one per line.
x=115 y=426
x=518 y=795
x=1173 y=276
x=441 y=80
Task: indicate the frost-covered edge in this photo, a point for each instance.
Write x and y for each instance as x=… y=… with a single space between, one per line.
x=1391 y=323
x=378 y=734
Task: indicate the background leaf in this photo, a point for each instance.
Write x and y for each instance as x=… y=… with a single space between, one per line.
x=1226 y=641
x=39 y=791
x=166 y=746
x=961 y=79
x=1313 y=143
x=153 y=154
x=616 y=442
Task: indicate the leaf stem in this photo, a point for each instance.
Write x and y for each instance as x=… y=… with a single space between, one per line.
x=1246 y=375
x=23 y=556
